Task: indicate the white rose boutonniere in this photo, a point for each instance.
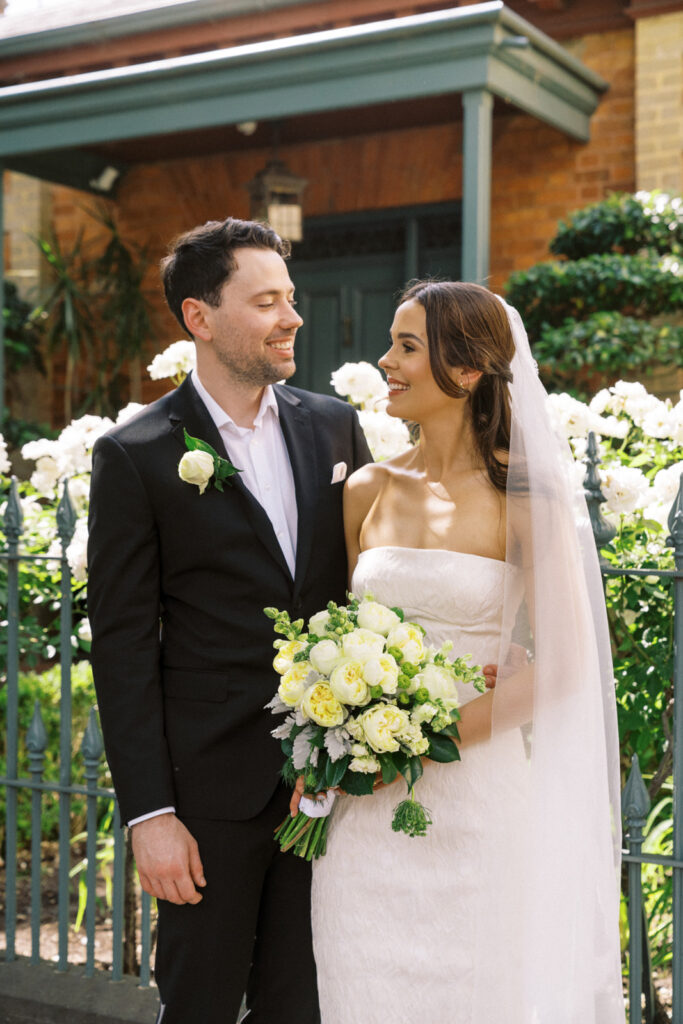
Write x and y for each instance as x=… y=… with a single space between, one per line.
x=201 y=465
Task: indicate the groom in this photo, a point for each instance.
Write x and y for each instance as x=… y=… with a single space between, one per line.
x=182 y=652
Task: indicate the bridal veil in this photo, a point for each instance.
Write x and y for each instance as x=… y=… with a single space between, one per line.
x=549 y=934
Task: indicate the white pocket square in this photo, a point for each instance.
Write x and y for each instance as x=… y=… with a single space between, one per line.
x=339 y=472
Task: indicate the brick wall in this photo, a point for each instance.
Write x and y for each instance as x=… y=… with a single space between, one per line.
x=659 y=102
x=539 y=176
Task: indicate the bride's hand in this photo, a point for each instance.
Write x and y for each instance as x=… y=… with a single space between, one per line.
x=298 y=793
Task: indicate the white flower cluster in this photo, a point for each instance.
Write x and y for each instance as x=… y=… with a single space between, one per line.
x=367 y=678
x=362 y=383
x=386 y=435
x=176 y=361
x=5 y=465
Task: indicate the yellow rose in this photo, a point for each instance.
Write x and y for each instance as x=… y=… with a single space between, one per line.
x=321 y=706
x=381 y=724
x=293 y=683
x=347 y=683
x=197 y=468
x=284 y=659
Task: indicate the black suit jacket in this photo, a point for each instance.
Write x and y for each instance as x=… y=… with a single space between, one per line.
x=182 y=652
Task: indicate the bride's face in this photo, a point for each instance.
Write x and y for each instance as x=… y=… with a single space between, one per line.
x=413 y=392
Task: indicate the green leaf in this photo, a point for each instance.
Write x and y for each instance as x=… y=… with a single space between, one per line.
x=409 y=767
x=334 y=771
x=389 y=769
x=442 y=749
x=358 y=783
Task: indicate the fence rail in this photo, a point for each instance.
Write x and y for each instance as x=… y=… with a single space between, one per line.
x=635 y=799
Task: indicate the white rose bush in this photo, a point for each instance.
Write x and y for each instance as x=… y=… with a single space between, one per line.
x=365 y=700
x=364 y=386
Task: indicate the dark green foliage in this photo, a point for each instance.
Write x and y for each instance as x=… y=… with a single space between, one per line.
x=623 y=223
x=638 y=285
x=22 y=334
x=609 y=343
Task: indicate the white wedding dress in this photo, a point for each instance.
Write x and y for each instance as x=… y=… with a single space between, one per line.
x=395 y=918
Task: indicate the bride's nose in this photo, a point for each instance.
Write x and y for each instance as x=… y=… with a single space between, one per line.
x=384 y=362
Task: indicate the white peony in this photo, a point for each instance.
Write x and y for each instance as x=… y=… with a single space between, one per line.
x=361 y=382
x=386 y=435
x=362 y=644
x=197 y=468
x=407 y=637
x=382 y=671
x=294 y=683
x=438 y=681
x=324 y=656
x=381 y=725
x=284 y=659
x=318 y=623
x=176 y=360
x=321 y=706
x=347 y=683
x=376 y=617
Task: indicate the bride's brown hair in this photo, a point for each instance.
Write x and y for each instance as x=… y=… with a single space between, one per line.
x=467 y=326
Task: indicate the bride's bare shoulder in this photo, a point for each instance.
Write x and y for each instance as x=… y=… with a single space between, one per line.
x=364 y=485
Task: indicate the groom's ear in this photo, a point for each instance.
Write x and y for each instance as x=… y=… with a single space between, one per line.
x=194 y=314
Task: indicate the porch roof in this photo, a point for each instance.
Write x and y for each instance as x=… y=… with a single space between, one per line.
x=49 y=128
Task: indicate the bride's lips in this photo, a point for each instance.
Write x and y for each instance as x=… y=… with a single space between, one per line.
x=396 y=387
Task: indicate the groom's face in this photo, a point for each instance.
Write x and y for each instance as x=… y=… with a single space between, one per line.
x=253 y=328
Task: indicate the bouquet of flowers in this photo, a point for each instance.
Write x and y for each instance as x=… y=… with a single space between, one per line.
x=365 y=699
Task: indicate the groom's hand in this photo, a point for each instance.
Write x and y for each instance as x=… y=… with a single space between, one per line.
x=168 y=859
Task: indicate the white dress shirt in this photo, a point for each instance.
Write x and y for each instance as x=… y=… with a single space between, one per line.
x=261 y=453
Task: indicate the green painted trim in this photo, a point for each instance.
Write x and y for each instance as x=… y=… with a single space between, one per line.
x=440 y=52
x=2 y=295
x=476 y=185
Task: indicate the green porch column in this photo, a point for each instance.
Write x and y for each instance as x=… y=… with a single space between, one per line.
x=476 y=184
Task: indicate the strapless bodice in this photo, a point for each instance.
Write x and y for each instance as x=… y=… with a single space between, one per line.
x=455 y=596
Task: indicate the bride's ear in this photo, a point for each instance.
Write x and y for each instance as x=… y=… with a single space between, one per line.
x=467 y=379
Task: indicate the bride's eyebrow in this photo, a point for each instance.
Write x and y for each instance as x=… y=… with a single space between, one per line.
x=406 y=336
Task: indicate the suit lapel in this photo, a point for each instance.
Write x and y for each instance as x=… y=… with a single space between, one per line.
x=190 y=413
x=297 y=430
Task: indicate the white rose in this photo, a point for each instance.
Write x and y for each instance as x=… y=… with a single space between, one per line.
x=347 y=683
x=382 y=671
x=84 y=631
x=318 y=623
x=362 y=644
x=293 y=683
x=354 y=727
x=179 y=358
x=381 y=725
x=423 y=713
x=361 y=382
x=324 y=656
x=5 y=464
x=625 y=488
x=438 y=681
x=46 y=475
x=386 y=435
x=196 y=468
x=376 y=617
x=408 y=639
x=412 y=737
x=77 y=551
x=365 y=762
x=129 y=410
x=667 y=482
x=600 y=402
x=284 y=659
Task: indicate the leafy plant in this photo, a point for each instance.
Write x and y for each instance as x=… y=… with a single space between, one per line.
x=622 y=223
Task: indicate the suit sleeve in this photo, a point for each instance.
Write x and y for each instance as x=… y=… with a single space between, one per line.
x=124 y=610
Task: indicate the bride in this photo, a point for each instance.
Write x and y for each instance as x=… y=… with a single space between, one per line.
x=506 y=912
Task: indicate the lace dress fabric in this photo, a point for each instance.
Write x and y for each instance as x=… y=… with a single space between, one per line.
x=395 y=918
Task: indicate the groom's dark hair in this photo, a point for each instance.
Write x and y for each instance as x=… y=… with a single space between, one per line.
x=199 y=262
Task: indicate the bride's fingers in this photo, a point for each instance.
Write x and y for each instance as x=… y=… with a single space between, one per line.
x=490 y=673
x=296 y=797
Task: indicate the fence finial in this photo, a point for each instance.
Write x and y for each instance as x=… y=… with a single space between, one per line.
x=602 y=530
x=66 y=517
x=635 y=800
x=675 y=522
x=13 y=519
x=92 y=746
x=36 y=740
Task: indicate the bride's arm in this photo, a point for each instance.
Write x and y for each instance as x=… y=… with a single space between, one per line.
x=360 y=493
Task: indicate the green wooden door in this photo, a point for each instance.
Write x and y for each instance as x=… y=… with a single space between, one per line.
x=347 y=307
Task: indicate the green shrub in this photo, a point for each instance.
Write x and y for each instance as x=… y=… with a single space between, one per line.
x=608 y=343
x=623 y=223
x=641 y=285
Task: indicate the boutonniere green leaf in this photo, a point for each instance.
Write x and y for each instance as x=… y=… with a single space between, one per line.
x=201 y=465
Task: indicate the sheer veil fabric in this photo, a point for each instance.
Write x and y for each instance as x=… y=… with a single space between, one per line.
x=549 y=935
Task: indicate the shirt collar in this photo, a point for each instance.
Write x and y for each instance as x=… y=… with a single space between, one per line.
x=222 y=419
